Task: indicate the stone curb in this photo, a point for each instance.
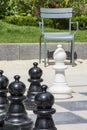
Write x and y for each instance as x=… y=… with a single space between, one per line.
x=25 y=51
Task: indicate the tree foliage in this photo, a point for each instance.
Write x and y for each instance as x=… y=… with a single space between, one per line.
x=3 y=7
x=25 y=7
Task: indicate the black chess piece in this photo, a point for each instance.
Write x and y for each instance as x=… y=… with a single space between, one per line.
x=44 y=111
x=17 y=115
x=35 y=74
x=3 y=97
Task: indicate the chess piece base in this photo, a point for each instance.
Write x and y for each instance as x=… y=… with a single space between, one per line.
x=61 y=91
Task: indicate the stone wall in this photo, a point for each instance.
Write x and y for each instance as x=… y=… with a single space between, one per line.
x=27 y=51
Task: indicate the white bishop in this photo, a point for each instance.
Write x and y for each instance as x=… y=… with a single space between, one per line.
x=60 y=88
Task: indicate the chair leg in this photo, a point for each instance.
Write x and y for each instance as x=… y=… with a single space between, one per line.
x=40 y=49
x=72 y=53
x=45 y=53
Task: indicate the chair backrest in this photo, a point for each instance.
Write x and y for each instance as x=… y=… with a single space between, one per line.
x=56 y=12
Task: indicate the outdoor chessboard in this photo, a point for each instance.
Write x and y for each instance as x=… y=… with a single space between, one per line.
x=71 y=114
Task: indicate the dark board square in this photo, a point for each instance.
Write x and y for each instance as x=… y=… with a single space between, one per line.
x=74 y=105
x=63 y=118
x=67 y=118
x=84 y=93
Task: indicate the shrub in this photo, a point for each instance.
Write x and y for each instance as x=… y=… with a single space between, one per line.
x=48 y=22
x=3 y=8
x=82 y=21
x=79 y=8
x=21 y=20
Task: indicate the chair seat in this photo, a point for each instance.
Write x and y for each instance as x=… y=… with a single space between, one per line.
x=59 y=36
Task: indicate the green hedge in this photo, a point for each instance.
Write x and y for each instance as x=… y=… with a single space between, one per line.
x=21 y=20
x=33 y=21
x=63 y=23
x=82 y=21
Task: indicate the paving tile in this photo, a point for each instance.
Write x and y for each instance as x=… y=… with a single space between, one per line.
x=74 y=105
x=84 y=93
x=68 y=118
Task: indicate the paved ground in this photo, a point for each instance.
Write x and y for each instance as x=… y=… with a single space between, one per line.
x=71 y=114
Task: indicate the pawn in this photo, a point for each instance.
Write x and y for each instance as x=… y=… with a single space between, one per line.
x=60 y=88
x=44 y=111
x=3 y=97
x=16 y=114
x=35 y=74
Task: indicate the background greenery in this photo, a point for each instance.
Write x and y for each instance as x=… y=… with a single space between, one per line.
x=26 y=12
x=19 y=19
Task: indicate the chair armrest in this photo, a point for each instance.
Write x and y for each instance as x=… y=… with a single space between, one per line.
x=77 y=26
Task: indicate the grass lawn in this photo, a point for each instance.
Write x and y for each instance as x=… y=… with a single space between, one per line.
x=28 y=34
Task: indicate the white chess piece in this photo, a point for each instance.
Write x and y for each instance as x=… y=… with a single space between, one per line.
x=60 y=88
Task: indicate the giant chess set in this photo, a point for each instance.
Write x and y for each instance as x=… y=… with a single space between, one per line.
x=51 y=107
x=13 y=107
